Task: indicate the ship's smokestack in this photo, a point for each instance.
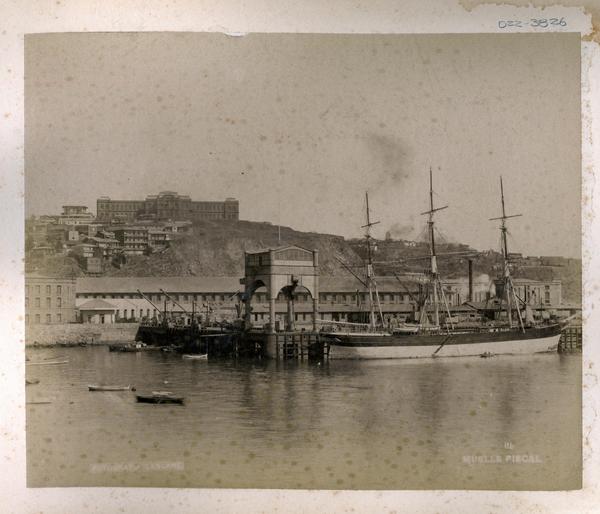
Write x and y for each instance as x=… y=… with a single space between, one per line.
x=470 y=280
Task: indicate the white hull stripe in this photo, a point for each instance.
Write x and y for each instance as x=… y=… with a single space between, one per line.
x=514 y=347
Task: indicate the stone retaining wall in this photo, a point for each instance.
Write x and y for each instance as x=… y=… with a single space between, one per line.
x=79 y=332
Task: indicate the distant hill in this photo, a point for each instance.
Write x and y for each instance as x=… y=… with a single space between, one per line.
x=216 y=248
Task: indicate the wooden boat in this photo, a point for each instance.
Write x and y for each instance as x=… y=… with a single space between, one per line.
x=198 y=357
x=44 y=363
x=132 y=347
x=110 y=388
x=70 y=344
x=159 y=397
x=33 y=381
x=55 y=358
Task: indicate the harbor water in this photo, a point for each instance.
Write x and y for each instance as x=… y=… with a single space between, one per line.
x=456 y=423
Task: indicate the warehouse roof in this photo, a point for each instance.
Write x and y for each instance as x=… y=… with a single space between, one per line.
x=97 y=305
x=339 y=284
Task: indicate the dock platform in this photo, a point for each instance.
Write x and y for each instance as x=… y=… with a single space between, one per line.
x=571 y=339
x=303 y=345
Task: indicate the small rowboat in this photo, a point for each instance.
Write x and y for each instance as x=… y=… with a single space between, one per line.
x=197 y=357
x=44 y=363
x=159 y=397
x=32 y=381
x=128 y=347
x=110 y=388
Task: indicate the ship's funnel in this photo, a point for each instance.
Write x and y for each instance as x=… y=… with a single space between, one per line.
x=499 y=288
x=470 y=280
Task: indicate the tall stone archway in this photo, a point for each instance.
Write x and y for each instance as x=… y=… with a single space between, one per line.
x=277 y=269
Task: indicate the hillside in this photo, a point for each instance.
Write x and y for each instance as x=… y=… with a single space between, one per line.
x=216 y=248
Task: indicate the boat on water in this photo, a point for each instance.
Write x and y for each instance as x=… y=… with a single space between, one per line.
x=32 y=381
x=196 y=357
x=160 y=397
x=110 y=388
x=46 y=363
x=132 y=348
x=435 y=334
x=186 y=329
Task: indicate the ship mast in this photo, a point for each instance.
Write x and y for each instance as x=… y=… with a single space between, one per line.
x=371 y=283
x=509 y=290
x=438 y=290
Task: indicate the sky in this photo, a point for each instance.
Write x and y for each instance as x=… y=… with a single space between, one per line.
x=298 y=127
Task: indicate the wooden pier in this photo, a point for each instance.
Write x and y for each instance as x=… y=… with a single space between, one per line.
x=571 y=339
x=309 y=346
x=300 y=346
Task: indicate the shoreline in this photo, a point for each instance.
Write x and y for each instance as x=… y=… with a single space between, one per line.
x=78 y=334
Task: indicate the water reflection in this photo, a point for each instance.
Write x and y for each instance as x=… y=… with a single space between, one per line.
x=375 y=424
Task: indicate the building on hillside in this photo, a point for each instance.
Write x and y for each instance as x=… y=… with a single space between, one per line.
x=106 y=234
x=107 y=246
x=158 y=238
x=94 y=265
x=75 y=215
x=167 y=205
x=57 y=236
x=85 y=250
x=49 y=300
x=179 y=227
x=89 y=230
x=118 y=211
x=132 y=240
x=37 y=231
x=39 y=252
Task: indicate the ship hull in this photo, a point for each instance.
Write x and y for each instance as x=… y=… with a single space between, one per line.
x=412 y=346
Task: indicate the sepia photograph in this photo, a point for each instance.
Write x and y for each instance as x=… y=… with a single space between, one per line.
x=303 y=261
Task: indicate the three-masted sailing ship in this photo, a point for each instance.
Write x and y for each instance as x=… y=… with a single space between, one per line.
x=435 y=334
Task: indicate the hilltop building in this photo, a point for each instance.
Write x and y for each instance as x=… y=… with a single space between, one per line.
x=165 y=205
x=75 y=215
